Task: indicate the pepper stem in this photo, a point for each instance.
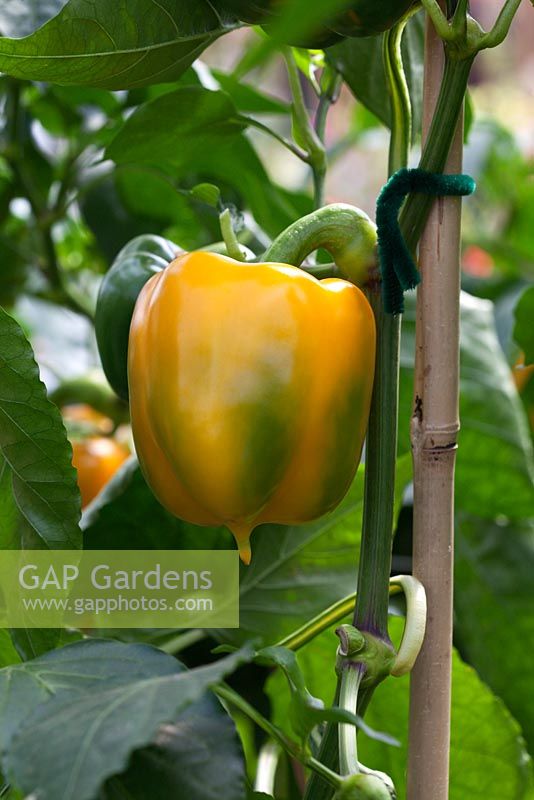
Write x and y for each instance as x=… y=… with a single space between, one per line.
x=342 y=230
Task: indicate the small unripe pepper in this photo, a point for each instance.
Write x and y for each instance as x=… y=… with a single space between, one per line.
x=250 y=387
x=134 y=265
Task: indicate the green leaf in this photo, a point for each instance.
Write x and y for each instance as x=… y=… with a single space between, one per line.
x=34 y=443
x=524 y=329
x=190 y=757
x=8 y=654
x=128 y=692
x=494 y=469
x=197 y=135
x=361 y=64
x=115 y=46
x=494 y=607
x=77 y=668
x=207 y=193
x=33 y=642
x=9 y=513
x=249 y=99
x=176 y=127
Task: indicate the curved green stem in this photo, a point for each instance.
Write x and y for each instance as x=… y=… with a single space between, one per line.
x=351 y=678
x=228 y=695
x=499 y=32
x=329 y=95
x=327 y=618
x=342 y=230
x=268 y=759
x=414 y=628
x=399 y=94
x=230 y=239
x=182 y=641
x=291 y=146
x=306 y=133
x=439 y=20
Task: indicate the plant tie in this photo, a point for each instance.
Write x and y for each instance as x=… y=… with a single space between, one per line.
x=397 y=267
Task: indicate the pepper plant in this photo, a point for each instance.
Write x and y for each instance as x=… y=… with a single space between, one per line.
x=250 y=334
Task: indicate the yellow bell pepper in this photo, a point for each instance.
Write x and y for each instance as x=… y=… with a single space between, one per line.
x=250 y=387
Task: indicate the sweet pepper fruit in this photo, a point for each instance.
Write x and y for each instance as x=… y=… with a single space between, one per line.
x=135 y=264
x=264 y=12
x=96 y=454
x=97 y=459
x=250 y=387
x=370 y=17
x=361 y=18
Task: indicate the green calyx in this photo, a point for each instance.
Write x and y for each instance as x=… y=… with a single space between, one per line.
x=362 y=650
x=363 y=787
x=344 y=231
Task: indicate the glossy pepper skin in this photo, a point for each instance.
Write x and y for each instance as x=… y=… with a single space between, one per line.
x=361 y=18
x=370 y=17
x=264 y=12
x=141 y=258
x=250 y=387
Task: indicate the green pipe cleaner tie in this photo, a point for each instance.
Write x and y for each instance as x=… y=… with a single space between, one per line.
x=397 y=266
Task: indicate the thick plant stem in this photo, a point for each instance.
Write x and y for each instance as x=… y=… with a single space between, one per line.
x=371 y=611
x=434 y=431
x=438 y=141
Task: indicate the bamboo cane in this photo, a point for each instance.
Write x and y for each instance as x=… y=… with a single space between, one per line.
x=434 y=430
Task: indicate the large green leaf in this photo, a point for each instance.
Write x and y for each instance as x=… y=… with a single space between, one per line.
x=488 y=759
x=9 y=513
x=34 y=444
x=494 y=469
x=176 y=127
x=33 y=642
x=8 y=654
x=197 y=135
x=89 y=665
x=360 y=62
x=105 y=700
x=524 y=328
x=195 y=757
x=115 y=45
x=494 y=606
